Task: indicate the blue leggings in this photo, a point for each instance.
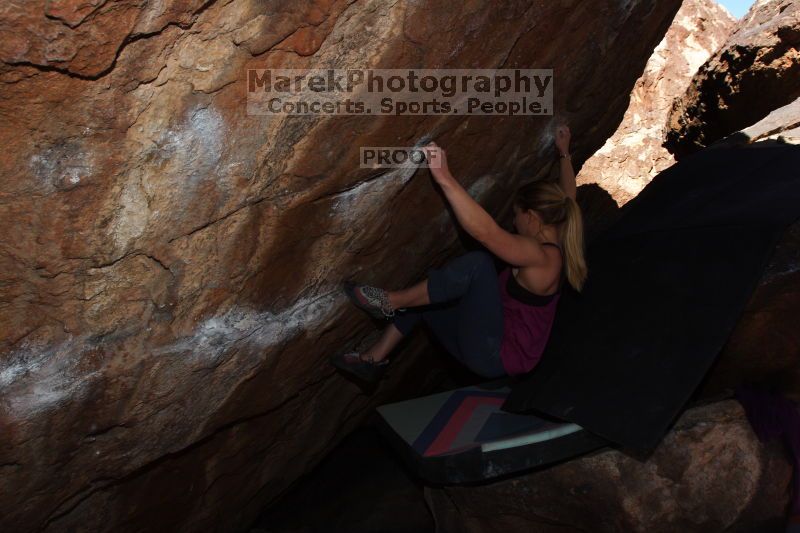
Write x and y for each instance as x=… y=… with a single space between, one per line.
x=466 y=312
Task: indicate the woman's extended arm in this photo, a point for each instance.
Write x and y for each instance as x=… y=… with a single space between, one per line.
x=511 y=248
x=470 y=214
x=567 y=174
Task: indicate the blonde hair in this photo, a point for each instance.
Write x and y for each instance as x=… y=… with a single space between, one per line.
x=554 y=207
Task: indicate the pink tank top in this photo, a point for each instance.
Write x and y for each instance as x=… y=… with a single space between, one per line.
x=527 y=321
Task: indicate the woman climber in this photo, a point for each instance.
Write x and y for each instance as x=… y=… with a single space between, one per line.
x=494 y=324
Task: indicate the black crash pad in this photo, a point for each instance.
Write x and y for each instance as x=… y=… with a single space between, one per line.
x=667 y=284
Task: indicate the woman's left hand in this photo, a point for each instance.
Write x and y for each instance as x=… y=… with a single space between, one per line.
x=437 y=162
x=562 y=139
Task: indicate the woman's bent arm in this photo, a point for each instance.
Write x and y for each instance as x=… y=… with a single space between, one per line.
x=470 y=214
x=511 y=248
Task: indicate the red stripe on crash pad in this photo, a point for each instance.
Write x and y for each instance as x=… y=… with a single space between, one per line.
x=450 y=431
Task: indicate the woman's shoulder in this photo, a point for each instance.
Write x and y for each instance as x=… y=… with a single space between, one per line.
x=554 y=244
x=533 y=274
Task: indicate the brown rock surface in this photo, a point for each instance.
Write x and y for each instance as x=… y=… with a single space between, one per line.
x=634 y=154
x=756 y=71
x=709 y=474
x=170 y=265
x=765 y=345
x=782 y=125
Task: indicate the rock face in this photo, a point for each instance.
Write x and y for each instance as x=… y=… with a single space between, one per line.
x=634 y=154
x=756 y=71
x=782 y=125
x=709 y=474
x=765 y=346
x=170 y=265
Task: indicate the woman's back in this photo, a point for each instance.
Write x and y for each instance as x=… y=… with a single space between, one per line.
x=527 y=320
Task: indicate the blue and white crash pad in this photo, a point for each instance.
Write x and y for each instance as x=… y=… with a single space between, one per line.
x=462 y=435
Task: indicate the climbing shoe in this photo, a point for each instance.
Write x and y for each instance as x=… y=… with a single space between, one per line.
x=366 y=369
x=373 y=300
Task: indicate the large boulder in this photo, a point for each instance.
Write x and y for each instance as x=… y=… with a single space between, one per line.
x=764 y=347
x=171 y=264
x=756 y=71
x=635 y=154
x=709 y=474
x=781 y=125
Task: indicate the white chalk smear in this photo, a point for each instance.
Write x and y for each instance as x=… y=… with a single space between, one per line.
x=260 y=329
x=547 y=136
x=61 y=166
x=481 y=186
x=195 y=148
x=367 y=199
x=35 y=378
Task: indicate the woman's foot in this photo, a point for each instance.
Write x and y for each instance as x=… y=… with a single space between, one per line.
x=373 y=300
x=361 y=365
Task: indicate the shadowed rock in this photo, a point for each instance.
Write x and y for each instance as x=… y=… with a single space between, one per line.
x=765 y=346
x=171 y=264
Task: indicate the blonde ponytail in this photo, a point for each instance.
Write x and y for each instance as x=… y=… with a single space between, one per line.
x=572 y=239
x=554 y=206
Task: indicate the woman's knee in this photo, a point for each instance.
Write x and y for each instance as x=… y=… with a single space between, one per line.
x=455 y=278
x=481 y=259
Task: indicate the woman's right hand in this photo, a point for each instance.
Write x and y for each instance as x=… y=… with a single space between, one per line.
x=562 y=139
x=437 y=162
